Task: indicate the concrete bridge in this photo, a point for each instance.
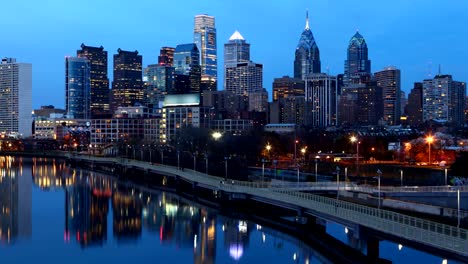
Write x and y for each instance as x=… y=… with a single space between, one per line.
x=448 y=240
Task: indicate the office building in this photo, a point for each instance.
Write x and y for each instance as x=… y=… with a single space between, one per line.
x=159 y=80
x=77 y=88
x=236 y=50
x=15 y=98
x=389 y=79
x=414 y=108
x=360 y=104
x=321 y=96
x=243 y=78
x=187 y=69
x=204 y=36
x=286 y=86
x=307 y=55
x=99 y=82
x=166 y=56
x=357 y=61
x=127 y=87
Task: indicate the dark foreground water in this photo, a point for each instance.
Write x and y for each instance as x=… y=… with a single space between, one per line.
x=50 y=213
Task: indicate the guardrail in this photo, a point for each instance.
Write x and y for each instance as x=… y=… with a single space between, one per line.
x=452 y=239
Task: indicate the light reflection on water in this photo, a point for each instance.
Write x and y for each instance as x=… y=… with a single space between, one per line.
x=55 y=213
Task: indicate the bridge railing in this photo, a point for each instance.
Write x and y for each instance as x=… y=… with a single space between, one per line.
x=412 y=228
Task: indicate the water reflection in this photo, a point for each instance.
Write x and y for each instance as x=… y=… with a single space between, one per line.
x=15 y=201
x=146 y=223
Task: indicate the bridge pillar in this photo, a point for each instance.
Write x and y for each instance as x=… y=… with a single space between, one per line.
x=373 y=247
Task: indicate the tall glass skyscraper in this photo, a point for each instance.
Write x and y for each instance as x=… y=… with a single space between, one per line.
x=204 y=36
x=159 y=81
x=127 y=87
x=77 y=88
x=187 y=68
x=357 y=62
x=97 y=57
x=307 y=57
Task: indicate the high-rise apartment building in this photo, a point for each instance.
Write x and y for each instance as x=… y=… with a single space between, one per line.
x=413 y=109
x=307 y=56
x=204 y=36
x=286 y=86
x=389 y=79
x=99 y=100
x=444 y=100
x=15 y=98
x=166 y=56
x=187 y=69
x=127 y=87
x=320 y=95
x=77 y=88
x=357 y=62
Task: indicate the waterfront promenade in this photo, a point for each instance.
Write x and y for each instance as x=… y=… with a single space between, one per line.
x=440 y=237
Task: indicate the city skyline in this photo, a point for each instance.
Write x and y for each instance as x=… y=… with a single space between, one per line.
x=396 y=39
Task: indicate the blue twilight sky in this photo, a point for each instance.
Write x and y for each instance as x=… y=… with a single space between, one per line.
x=414 y=35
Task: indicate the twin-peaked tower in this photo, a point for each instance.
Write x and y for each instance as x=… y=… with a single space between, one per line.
x=357 y=62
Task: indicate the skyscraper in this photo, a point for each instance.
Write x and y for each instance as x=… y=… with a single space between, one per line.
x=360 y=104
x=357 y=62
x=320 y=96
x=127 y=87
x=204 y=36
x=286 y=86
x=413 y=109
x=444 y=100
x=236 y=50
x=77 y=88
x=15 y=97
x=389 y=79
x=307 y=56
x=97 y=57
x=187 y=69
x=244 y=78
x=166 y=56
x=241 y=76
x=159 y=81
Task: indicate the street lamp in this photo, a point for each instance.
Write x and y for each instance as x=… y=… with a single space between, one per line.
x=429 y=140
x=268 y=148
x=379 y=172
x=355 y=139
x=295 y=149
x=303 y=151
x=316 y=166
x=401 y=177
x=337 y=182
x=216 y=135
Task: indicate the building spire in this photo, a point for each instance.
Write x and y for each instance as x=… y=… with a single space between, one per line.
x=307 y=19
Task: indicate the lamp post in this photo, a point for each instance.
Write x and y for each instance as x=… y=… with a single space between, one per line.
x=429 y=140
x=195 y=161
x=178 y=160
x=379 y=173
x=295 y=149
x=401 y=177
x=303 y=151
x=275 y=162
x=355 y=139
x=268 y=148
x=446 y=176
x=316 y=167
x=337 y=182
x=225 y=168
x=206 y=163
x=263 y=170
x=458 y=206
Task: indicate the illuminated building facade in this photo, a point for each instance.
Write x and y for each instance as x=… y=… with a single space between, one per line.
x=307 y=55
x=99 y=83
x=357 y=62
x=204 y=36
x=77 y=88
x=286 y=86
x=187 y=69
x=127 y=87
x=321 y=96
x=390 y=80
x=15 y=98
